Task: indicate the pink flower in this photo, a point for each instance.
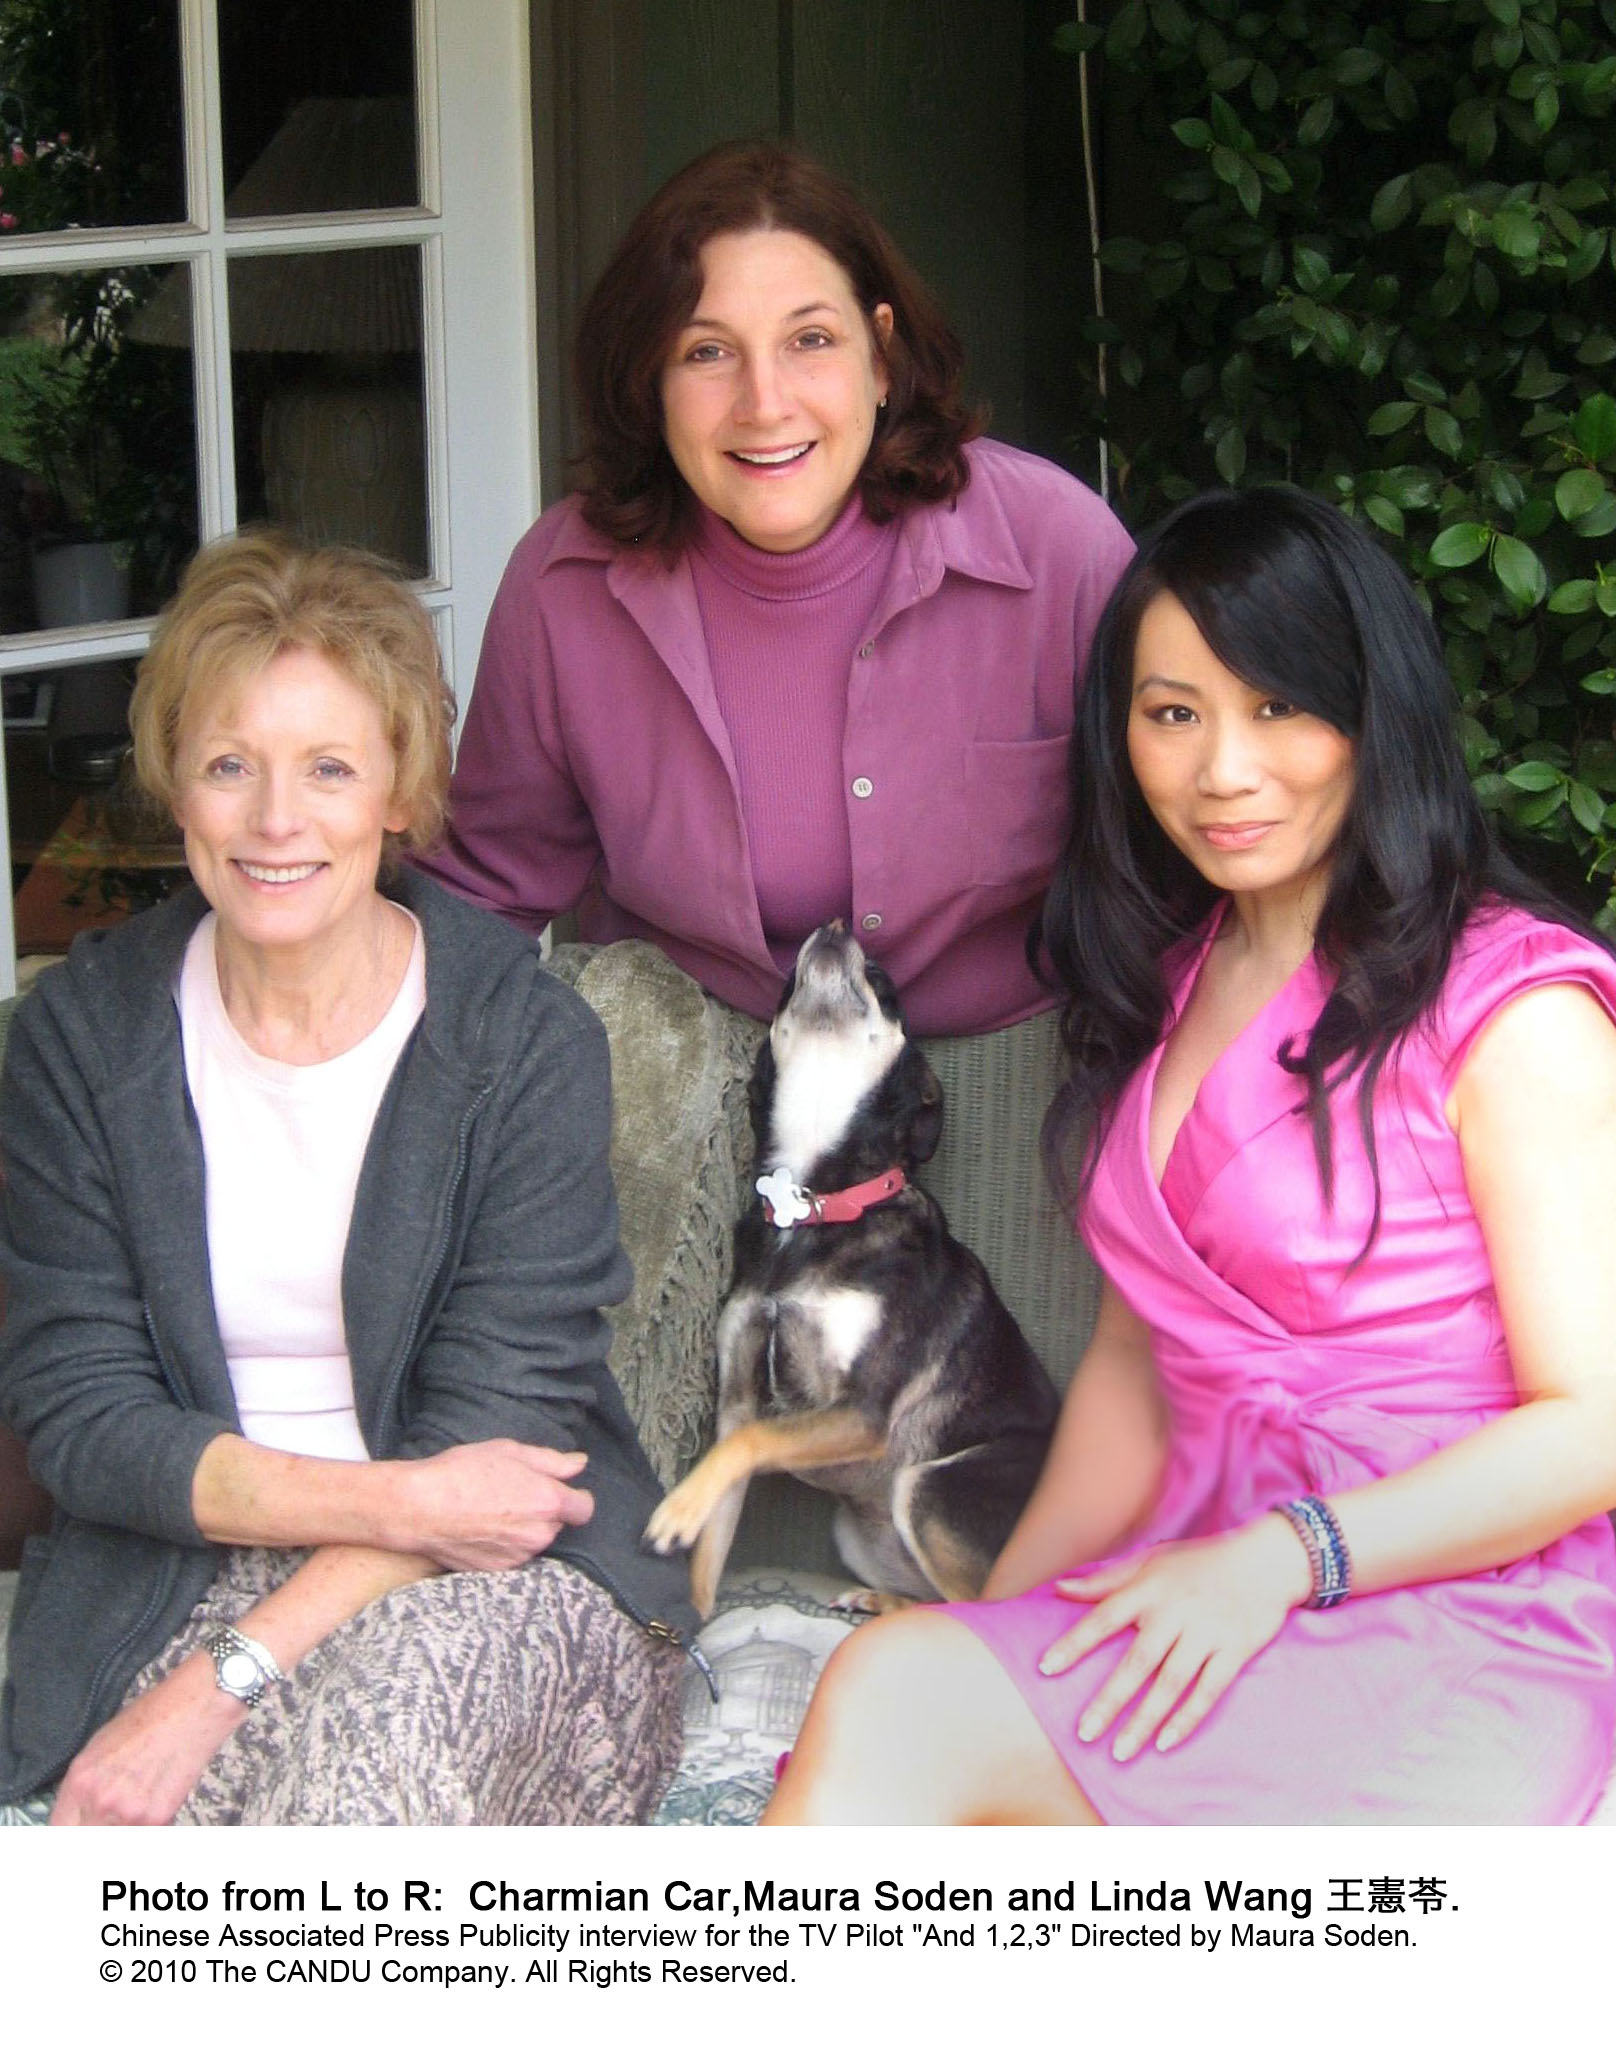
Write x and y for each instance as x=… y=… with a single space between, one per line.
x=8 y=221
x=18 y=155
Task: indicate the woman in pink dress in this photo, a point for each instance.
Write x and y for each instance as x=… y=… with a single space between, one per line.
x=1322 y=1536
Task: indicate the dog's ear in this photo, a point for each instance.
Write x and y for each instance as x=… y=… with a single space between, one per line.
x=924 y=1120
x=760 y=1093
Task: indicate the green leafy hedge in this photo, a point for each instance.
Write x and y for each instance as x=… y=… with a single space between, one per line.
x=1389 y=273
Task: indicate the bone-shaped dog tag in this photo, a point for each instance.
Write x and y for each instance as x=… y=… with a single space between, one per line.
x=787 y=1200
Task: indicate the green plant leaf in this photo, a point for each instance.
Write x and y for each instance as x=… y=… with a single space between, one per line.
x=1334 y=336
x=1594 y=427
x=1576 y=493
x=1538 y=379
x=1402 y=102
x=1193 y=133
x=1600 y=520
x=1460 y=544
x=1123 y=253
x=1516 y=234
x=1571 y=598
x=1386 y=515
x=1312 y=269
x=1505 y=12
x=1232 y=72
x=1249 y=187
x=1264 y=88
x=1391 y=417
x=1533 y=777
x=1173 y=23
x=1442 y=430
x=1164 y=277
x=1586 y=806
x=1356 y=67
x=1583 y=261
x=1127 y=31
x=1229 y=454
x=1601 y=683
x=1534 y=810
x=1072 y=38
x=1392 y=205
x=1227 y=126
x=1545 y=110
x=1520 y=572
x=1315 y=124
x=1422 y=386
x=1478 y=133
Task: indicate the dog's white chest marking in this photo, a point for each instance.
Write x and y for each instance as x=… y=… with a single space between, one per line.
x=844 y=1318
x=822 y=1080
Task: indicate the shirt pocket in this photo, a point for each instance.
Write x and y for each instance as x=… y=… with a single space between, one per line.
x=1017 y=802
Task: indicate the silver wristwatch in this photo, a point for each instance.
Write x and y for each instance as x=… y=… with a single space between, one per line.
x=241 y=1665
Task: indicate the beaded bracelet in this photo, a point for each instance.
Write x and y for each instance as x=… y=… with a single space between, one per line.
x=1319 y=1531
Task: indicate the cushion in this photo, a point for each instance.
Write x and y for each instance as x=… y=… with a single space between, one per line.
x=767 y=1642
x=680 y=1148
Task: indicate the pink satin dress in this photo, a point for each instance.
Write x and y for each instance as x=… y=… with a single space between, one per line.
x=1286 y=1370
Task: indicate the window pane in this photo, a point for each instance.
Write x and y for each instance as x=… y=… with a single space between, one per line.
x=85 y=847
x=97 y=444
x=90 y=132
x=330 y=399
x=319 y=106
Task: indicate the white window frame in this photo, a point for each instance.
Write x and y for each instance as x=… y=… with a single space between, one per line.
x=475 y=231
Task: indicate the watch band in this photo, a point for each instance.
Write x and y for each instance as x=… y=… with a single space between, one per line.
x=242 y=1666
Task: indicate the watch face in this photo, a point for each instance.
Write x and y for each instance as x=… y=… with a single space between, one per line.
x=239 y=1673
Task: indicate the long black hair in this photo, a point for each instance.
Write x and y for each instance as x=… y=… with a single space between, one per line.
x=1301 y=603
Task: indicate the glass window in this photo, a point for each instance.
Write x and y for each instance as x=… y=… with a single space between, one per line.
x=90 y=115
x=330 y=397
x=318 y=105
x=97 y=444
x=86 y=846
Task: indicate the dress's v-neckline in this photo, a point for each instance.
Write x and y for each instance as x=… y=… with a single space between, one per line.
x=1184 y=990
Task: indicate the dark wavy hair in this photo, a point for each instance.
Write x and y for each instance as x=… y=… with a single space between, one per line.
x=631 y=488
x=1299 y=602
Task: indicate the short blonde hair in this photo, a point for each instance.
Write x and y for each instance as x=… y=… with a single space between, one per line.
x=247 y=599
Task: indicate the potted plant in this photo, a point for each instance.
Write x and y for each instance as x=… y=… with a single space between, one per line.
x=81 y=551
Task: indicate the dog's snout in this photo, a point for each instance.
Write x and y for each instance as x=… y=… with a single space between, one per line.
x=830 y=984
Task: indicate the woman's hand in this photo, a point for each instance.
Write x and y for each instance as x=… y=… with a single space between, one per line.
x=1201 y=1610
x=492 y=1505
x=139 y=1769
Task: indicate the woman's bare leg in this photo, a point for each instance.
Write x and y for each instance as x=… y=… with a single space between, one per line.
x=914 y=1723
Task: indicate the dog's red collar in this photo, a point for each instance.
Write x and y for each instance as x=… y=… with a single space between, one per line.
x=787 y=1203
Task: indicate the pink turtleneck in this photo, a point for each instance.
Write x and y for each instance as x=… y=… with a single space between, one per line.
x=782 y=629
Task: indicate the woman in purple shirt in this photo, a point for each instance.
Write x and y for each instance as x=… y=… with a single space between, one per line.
x=804 y=645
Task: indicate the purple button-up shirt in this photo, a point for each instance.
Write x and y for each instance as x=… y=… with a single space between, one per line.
x=595 y=770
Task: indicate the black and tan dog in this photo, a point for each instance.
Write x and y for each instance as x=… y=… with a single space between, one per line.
x=862 y=1347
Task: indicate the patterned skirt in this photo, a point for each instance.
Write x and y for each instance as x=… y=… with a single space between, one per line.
x=519 y=1699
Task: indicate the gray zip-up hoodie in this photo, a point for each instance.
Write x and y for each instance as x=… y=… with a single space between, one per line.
x=482 y=1245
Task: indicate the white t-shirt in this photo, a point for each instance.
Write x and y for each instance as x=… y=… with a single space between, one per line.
x=283 y=1146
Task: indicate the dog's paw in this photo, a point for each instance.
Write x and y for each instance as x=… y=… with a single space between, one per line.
x=679 y=1518
x=870 y=1604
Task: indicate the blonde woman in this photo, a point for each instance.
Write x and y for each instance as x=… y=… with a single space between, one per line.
x=307 y=1227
